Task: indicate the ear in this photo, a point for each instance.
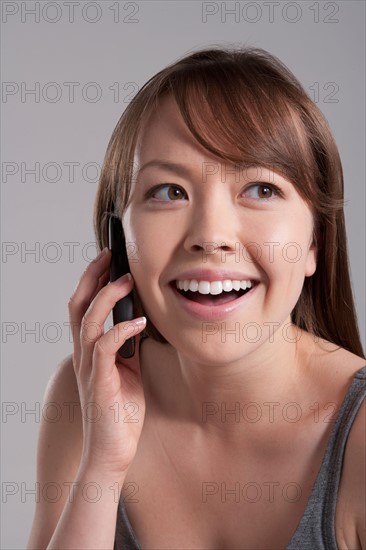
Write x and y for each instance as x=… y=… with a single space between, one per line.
x=310 y=264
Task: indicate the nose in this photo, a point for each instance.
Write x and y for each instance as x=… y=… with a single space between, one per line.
x=212 y=225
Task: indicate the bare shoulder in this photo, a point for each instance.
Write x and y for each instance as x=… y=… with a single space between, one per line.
x=58 y=451
x=63 y=377
x=330 y=363
x=340 y=369
x=66 y=428
x=62 y=392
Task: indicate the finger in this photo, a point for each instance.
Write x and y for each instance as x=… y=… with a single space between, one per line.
x=80 y=301
x=103 y=281
x=132 y=362
x=76 y=326
x=92 y=324
x=106 y=347
x=89 y=280
x=83 y=294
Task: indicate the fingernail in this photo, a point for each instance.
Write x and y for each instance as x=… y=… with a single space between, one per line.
x=124 y=279
x=139 y=321
x=101 y=254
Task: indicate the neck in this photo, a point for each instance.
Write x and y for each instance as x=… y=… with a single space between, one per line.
x=249 y=392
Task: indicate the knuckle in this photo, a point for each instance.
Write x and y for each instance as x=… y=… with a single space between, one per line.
x=127 y=330
x=71 y=304
x=75 y=305
x=90 y=330
x=86 y=319
x=99 y=349
x=104 y=291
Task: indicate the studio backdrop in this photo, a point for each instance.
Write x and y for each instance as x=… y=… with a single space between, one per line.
x=69 y=69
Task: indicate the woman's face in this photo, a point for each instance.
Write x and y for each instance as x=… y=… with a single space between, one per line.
x=212 y=216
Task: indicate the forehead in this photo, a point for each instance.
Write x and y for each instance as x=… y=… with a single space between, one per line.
x=164 y=135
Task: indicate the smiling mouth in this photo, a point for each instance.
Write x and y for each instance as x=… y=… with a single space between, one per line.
x=210 y=299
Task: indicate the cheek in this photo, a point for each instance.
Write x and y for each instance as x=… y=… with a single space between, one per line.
x=153 y=249
x=283 y=244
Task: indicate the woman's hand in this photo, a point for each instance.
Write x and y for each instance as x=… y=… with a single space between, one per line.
x=110 y=387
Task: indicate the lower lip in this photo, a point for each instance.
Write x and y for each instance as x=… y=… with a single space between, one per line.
x=213 y=313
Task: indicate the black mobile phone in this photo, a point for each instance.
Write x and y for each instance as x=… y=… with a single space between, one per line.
x=123 y=310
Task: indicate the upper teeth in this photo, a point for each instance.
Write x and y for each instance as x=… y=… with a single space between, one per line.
x=214 y=287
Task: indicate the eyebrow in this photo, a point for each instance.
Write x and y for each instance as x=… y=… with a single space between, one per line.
x=183 y=171
x=172 y=167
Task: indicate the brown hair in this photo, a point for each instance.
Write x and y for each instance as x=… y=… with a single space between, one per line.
x=246 y=100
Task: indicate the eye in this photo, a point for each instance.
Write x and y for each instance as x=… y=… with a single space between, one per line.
x=168 y=192
x=266 y=191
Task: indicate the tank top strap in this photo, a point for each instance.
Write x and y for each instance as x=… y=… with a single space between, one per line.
x=125 y=538
x=317 y=525
x=316 y=528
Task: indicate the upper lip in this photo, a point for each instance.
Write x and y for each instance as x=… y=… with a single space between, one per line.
x=214 y=275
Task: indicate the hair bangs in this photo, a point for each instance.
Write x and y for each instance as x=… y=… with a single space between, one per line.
x=245 y=106
x=247 y=122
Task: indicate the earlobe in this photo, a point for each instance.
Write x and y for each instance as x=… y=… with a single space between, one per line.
x=310 y=266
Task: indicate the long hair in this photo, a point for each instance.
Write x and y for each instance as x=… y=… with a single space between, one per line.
x=246 y=100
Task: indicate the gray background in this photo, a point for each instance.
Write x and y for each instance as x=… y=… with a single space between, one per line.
x=325 y=50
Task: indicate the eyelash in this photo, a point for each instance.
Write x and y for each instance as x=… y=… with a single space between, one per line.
x=278 y=192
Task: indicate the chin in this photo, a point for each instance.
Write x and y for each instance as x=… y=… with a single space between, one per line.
x=212 y=349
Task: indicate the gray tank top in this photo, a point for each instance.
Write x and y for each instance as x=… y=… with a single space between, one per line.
x=316 y=529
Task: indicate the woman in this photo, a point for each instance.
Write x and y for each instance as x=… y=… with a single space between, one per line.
x=239 y=422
